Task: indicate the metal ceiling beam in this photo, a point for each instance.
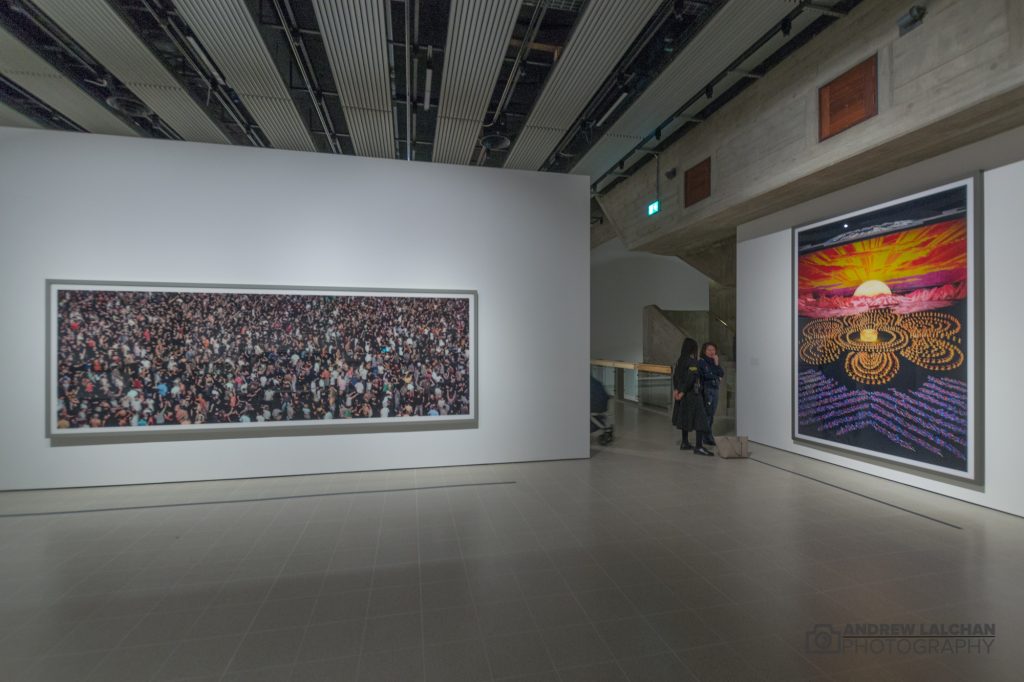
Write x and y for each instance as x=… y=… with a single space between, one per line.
x=35 y=75
x=478 y=38
x=733 y=29
x=12 y=118
x=602 y=36
x=110 y=41
x=227 y=31
x=355 y=38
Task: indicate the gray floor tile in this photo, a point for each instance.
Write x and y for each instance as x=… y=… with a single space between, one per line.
x=631 y=637
x=455 y=624
x=386 y=601
x=517 y=655
x=556 y=610
x=199 y=657
x=596 y=672
x=575 y=646
x=267 y=649
x=388 y=633
x=657 y=668
x=138 y=663
x=283 y=614
x=457 y=662
x=390 y=666
x=331 y=670
x=332 y=640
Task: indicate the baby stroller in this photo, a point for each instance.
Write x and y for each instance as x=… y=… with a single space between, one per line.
x=600 y=420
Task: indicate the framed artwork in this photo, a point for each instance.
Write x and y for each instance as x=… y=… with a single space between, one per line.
x=885 y=335
x=127 y=357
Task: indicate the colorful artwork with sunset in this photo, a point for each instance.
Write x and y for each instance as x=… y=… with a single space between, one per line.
x=909 y=271
x=882 y=302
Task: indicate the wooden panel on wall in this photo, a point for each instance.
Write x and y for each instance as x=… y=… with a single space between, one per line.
x=697 y=183
x=849 y=99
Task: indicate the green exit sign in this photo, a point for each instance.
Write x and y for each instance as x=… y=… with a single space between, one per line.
x=653 y=207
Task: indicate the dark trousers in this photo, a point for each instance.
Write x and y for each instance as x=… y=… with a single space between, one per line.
x=710 y=405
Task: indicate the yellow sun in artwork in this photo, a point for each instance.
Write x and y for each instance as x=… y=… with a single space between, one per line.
x=873 y=287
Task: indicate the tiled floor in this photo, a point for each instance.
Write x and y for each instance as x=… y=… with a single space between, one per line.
x=640 y=564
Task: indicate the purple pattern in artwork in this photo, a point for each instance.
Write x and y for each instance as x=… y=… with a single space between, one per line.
x=932 y=417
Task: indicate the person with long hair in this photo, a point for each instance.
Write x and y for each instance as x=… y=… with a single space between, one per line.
x=711 y=375
x=688 y=412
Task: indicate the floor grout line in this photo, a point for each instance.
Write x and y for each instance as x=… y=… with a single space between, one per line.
x=255 y=499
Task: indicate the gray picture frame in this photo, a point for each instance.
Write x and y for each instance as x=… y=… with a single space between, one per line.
x=122 y=434
x=974 y=476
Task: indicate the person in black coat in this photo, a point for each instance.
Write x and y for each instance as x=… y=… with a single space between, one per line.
x=711 y=375
x=688 y=413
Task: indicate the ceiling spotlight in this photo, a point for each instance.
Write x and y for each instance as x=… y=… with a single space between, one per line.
x=128 y=106
x=496 y=141
x=911 y=20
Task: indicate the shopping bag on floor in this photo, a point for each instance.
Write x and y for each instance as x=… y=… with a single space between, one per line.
x=733 y=447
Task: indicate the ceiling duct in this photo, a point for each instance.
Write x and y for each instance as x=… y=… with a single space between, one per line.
x=228 y=33
x=601 y=37
x=102 y=32
x=733 y=29
x=355 y=38
x=23 y=66
x=478 y=39
x=15 y=119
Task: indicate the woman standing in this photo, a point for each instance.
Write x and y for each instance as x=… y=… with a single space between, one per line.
x=710 y=379
x=688 y=413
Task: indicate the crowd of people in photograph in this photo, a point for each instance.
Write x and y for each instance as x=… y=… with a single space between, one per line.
x=146 y=358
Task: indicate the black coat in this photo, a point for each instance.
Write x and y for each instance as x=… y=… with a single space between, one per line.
x=688 y=414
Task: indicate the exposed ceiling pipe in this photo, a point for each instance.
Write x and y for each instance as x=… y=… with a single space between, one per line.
x=286 y=18
x=612 y=108
x=194 y=54
x=706 y=91
x=617 y=77
x=408 y=82
x=524 y=49
x=43 y=23
x=53 y=118
x=392 y=60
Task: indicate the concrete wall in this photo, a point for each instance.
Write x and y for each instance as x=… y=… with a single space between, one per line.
x=622 y=282
x=956 y=79
x=104 y=208
x=765 y=367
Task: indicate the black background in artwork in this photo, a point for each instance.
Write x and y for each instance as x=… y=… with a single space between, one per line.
x=940 y=206
x=910 y=377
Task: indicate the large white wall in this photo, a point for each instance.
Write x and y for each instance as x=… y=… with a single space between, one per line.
x=622 y=283
x=92 y=207
x=764 y=302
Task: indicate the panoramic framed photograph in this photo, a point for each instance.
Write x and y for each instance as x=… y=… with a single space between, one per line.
x=885 y=332
x=130 y=358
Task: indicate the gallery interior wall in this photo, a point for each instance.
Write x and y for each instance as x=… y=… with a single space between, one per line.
x=622 y=283
x=764 y=302
x=93 y=207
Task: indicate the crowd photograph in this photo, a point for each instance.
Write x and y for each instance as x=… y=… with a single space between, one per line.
x=136 y=358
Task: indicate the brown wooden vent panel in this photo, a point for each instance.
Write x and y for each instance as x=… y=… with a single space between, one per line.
x=697 y=183
x=849 y=99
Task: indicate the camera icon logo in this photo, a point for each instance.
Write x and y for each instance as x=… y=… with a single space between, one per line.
x=824 y=639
